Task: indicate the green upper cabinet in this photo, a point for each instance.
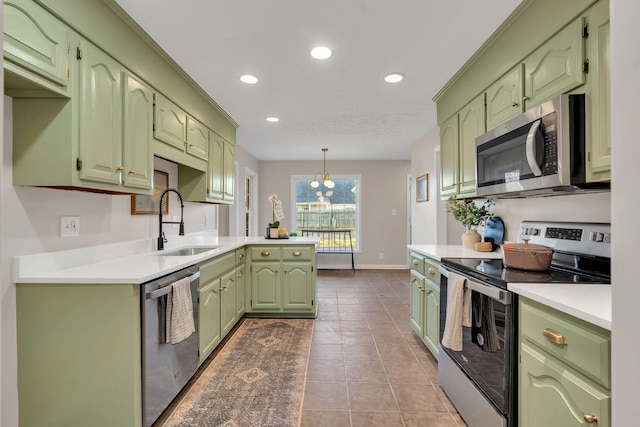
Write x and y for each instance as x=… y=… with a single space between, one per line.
x=138 y=133
x=221 y=169
x=197 y=142
x=229 y=171
x=504 y=98
x=36 y=48
x=555 y=67
x=458 y=150
x=170 y=124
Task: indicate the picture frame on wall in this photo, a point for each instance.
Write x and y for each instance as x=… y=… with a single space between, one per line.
x=422 y=185
x=148 y=205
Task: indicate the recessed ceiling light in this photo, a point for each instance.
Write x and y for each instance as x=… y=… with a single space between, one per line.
x=321 y=52
x=249 y=79
x=273 y=119
x=394 y=78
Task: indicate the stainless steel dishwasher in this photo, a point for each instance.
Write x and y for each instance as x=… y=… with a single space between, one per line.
x=166 y=368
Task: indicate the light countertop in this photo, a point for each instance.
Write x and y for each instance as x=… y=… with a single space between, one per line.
x=591 y=303
x=132 y=262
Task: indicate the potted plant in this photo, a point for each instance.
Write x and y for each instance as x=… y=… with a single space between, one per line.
x=277 y=215
x=471 y=216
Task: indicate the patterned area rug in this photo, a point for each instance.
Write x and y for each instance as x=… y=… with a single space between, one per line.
x=257 y=379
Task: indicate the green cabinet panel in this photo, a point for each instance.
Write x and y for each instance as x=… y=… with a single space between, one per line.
x=228 y=301
x=240 y=291
x=431 y=332
x=100 y=116
x=416 y=303
x=424 y=301
x=36 y=46
x=265 y=286
x=555 y=67
x=216 y=168
x=472 y=124
x=552 y=395
x=79 y=352
x=449 y=158
x=138 y=134
x=170 y=124
x=504 y=98
x=298 y=286
x=229 y=171
x=197 y=142
x=209 y=331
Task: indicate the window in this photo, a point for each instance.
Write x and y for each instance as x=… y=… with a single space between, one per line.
x=327 y=208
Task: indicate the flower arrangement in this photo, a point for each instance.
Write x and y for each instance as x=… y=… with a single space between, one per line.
x=468 y=213
x=276 y=211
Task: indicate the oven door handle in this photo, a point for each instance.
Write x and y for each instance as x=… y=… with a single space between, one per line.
x=490 y=291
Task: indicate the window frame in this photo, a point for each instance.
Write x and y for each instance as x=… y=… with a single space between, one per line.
x=309 y=177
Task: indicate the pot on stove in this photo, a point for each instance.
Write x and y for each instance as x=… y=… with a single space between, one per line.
x=527 y=257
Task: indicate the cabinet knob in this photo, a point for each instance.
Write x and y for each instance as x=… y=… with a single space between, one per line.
x=265 y=253
x=432 y=271
x=514 y=104
x=591 y=419
x=240 y=274
x=525 y=98
x=296 y=253
x=415 y=262
x=241 y=256
x=132 y=172
x=554 y=336
x=119 y=168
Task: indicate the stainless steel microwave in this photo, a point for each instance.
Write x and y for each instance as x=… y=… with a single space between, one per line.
x=539 y=153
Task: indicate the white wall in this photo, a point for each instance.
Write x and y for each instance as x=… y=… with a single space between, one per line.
x=424 y=225
x=625 y=110
x=243 y=160
x=383 y=189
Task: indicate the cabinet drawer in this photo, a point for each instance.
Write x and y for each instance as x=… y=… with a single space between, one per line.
x=586 y=347
x=216 y=267
x=240 y=256
x=263 y=253
x=297 y=253
x=432 y=271
x=417 y=263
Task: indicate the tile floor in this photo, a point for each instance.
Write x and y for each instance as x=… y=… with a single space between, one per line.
x=366 y=365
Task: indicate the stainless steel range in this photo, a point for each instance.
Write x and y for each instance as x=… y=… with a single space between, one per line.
x=480 y=376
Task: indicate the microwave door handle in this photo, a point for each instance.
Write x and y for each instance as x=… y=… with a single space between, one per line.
x=530 y=149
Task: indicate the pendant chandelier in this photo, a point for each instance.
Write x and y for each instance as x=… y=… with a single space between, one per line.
x=325 y=177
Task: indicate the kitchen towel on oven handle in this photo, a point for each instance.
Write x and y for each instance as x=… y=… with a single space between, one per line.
x=458 y=311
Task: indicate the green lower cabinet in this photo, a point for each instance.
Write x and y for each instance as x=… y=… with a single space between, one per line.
x=298 y=289
x=431 y=331
x=265 y=286
x=564 y=373
x=209 y=335
x=228 y=300
x=240 y=291
x=424 y=304
x=416 y=309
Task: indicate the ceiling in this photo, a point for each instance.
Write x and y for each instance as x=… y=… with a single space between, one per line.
x=341 y=103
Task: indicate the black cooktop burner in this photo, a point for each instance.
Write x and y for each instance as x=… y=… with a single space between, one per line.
x=494 y=272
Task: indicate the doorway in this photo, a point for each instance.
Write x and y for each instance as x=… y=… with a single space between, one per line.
x=250 y=203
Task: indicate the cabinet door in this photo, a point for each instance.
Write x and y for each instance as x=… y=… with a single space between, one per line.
x=100 y=114
x=553 y=395
x=170 y=123
x=36 y=40
x=216 y=167
x=297 y=286
x=555 y=67
x=449 y=157
x=504 y=98
x=599 y=166
x=197 y=139
x=432 y=317
x=138 y=134
x=240 y=292
x=416 y=311
x=208 y=318
x=471 y=125
x=228 y=295
x=265 y=286
x=229 y=170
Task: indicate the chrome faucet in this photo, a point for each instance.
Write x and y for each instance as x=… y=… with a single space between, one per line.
x=161 y=239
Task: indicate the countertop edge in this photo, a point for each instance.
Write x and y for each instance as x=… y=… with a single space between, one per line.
x=437 y=252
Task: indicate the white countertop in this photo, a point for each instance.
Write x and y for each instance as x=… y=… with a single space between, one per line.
x=591 y=303
x=132 y=262
x=437 y=252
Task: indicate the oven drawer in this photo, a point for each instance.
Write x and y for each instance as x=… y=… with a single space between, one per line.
x=417 y=263
x=584 y=346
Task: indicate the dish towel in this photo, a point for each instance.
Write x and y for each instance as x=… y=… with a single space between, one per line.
x=179 y=317
x=458 y=311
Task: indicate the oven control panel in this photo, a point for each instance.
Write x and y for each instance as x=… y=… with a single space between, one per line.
x=586 y=238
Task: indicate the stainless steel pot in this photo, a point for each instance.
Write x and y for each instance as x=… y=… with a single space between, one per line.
x=527 y=257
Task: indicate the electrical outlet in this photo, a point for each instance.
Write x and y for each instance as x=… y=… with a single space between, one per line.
x=206 y=220
x=393 y=212
x=69 y=226
x=175 y=219
x=380 y=255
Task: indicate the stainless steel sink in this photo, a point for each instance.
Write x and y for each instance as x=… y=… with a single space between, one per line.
x=190 y=251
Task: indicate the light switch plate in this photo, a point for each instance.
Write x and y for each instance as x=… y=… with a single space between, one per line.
x=69 y=226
